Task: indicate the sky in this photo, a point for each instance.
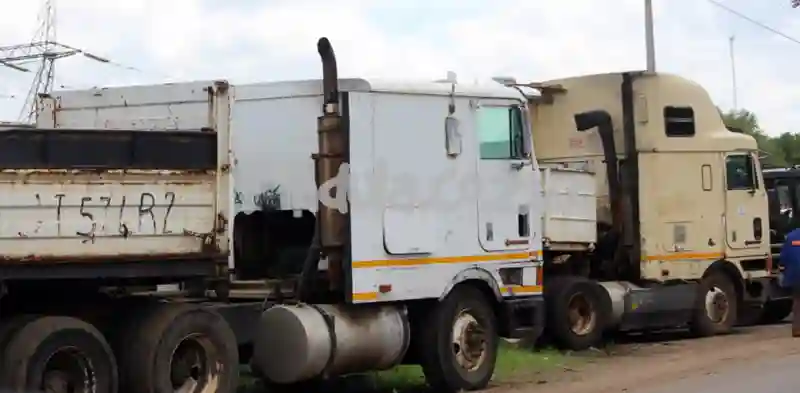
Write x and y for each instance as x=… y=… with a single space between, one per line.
x=156 y=41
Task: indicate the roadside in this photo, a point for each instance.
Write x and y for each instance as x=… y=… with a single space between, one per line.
x=648 y=362
x=637 y=362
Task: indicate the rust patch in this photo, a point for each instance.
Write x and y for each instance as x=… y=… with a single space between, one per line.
x=82 y=259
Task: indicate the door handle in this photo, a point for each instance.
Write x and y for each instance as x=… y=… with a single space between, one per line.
x=517 y=242
x=751 y=242
x=518 y=165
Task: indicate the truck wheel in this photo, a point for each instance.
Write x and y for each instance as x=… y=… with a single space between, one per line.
x=716 y=307
x=775 y=311
x=576 y=316
x=58 y=355
x=458 y=340
x=180 y=348
x=10 y=327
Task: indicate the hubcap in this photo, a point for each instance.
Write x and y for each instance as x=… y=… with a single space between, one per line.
x=68 y=371
x=469 y=342
x=194 y=366
x=582 y=317
x=716 y=305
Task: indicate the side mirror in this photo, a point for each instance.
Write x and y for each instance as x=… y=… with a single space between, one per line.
x=452 y=136
x=520 y=117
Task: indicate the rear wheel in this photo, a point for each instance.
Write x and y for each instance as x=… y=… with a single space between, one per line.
x=59 y=355
x=10 y=327
x=776 y=311
x=716 y=306
x=576 y=316
x=458 y=341
x=180 y=348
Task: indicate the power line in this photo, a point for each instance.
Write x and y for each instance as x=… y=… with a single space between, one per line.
x=755 y=22
x=45 y=50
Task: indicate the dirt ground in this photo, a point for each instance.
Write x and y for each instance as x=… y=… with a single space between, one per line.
x=658 y=360
x=633 y=364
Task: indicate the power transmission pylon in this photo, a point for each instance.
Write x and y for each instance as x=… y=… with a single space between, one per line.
x=42 y=49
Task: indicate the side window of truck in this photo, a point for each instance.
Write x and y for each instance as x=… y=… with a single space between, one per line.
x=740 y=172
x=500 y=133
x=679 y=121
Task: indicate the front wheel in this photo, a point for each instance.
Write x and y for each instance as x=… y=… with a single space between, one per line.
x=716 y=306
x=458 y=341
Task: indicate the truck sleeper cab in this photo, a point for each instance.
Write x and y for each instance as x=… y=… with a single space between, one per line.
x=365 y=275
x=681 y=207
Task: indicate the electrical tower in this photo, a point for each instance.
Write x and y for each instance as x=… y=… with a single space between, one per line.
x=43 y=50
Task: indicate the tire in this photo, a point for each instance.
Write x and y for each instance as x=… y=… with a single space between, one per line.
x=576 y=312
x=152 y=349
x=10 y=327
x=705 y=325
x=775 y=311
x=46 y=350
x=467 y=306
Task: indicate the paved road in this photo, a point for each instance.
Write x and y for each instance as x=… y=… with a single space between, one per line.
x=765 y=376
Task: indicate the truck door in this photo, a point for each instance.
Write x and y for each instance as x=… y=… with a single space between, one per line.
x=745 y=228
x=507 y=179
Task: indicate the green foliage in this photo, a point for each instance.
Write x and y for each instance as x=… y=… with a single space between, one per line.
x=780 y=151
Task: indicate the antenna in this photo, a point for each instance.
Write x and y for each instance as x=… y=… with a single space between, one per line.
x=649 y=36
x=42 y=49
x=734 y=89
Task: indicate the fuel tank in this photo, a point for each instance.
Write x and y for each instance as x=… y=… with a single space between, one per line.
x=299 y=342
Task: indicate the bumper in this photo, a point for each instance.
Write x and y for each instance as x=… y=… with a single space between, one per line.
x=522 y=317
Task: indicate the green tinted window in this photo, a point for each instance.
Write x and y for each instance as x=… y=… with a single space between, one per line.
x=500 y=132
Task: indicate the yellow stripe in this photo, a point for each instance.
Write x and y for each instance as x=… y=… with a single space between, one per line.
x=685 y=255
x=365 y=296
x=439 y=260
x=518 y=289
x=515 y=289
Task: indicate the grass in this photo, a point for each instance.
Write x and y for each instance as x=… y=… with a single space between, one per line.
x=513 y=365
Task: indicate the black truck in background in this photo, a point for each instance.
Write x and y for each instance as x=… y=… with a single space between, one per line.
x=783 y=193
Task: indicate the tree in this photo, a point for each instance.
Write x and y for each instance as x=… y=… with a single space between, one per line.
x=776 y=152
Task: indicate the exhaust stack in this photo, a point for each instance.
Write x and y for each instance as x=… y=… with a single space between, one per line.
x=333 y=150
x=602 y=120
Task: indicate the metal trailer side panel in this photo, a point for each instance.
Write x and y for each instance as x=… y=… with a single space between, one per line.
x=178 y=106
x=570 y=213
x=107 y=213
x=67 y=216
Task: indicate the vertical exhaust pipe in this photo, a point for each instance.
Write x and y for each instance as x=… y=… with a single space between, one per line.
x=602 y=120
x=610 y=246
x=333 y=149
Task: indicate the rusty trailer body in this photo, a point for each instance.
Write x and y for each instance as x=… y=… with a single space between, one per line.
x=118 y=202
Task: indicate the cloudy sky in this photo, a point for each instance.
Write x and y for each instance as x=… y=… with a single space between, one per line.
x=153 y=41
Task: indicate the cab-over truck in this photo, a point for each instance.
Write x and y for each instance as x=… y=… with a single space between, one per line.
x=309 y=228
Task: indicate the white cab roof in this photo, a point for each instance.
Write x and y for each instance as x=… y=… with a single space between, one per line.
x=313 y=87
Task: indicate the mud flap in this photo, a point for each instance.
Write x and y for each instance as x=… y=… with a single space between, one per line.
x=522 y=318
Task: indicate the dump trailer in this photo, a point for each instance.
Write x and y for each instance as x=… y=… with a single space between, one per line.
x=313 y=229
x=682 y=218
